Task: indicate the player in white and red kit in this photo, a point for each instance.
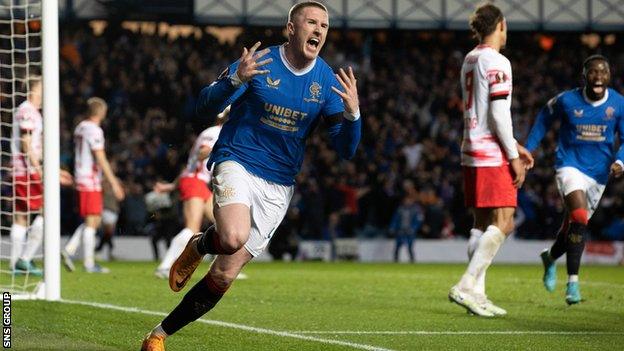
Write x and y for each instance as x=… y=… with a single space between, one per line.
x=494 y=165
x=194 y=193
x=89 y=165
x=27 y=151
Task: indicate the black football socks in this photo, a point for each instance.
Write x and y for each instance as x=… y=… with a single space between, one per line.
x=575 y=247
x=209 y=243
x=199 y=300
x=560 y=245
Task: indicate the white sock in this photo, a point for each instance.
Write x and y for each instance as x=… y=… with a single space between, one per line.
x=18 y=234
x=573 y=278
x=72 y=244
x=473 y=243
x=158 y=331
x=175 y=249
x=35 y=237
x=88 y=246
x=489 y=244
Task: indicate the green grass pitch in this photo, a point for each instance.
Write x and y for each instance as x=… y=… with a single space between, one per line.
x=321 y=306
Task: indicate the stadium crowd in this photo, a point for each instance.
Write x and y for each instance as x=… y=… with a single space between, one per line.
x=412 y=110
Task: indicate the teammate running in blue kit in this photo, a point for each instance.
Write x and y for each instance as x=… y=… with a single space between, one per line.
x=590 y=118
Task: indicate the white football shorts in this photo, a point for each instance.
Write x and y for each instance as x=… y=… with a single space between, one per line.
x=267 y=201
x=570 y=179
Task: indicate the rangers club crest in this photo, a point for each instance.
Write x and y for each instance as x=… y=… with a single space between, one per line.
x=315 y=93
x=610 y=111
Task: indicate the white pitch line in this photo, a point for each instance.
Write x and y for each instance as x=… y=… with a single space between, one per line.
x=284 y=334
x=563 y=281
x=429 y=332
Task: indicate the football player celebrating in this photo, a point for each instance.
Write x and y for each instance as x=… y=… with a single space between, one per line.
x=590 y=117
x=278 y=96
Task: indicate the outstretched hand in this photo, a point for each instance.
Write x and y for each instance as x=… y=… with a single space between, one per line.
x=350 y=94
x=248 y=66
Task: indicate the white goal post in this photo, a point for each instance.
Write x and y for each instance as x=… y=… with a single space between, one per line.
x=51 y=153
x=29 y=47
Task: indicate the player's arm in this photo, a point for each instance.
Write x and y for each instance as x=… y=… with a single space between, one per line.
x=617 y=168
x=214 y=98
x=501 y=121
x=344 y=134
x=102 y=161
x=203 y=152
x=161 y=187
x=26 y=143
x=499 y=82
x=498 y=76
x=346 y=127
x=543 y=122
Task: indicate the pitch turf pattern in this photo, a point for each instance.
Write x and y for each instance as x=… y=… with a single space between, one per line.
x=317 y=306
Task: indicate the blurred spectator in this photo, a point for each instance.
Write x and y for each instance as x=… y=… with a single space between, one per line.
x=134 y=210
x=405 y=223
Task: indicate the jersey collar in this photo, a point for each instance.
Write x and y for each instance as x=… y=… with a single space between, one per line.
x=598 y=102
x=297 y=72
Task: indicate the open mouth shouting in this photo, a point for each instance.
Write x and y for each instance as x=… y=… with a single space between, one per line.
x=598 y=87
x=313 y=44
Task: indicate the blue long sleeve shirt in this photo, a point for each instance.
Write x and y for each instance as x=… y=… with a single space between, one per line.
x=586 y=138
x=273 y=114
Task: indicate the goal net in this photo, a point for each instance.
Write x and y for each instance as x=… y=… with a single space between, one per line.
x=25 y=155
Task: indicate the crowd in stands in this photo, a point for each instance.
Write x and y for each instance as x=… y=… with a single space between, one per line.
x=410 y=102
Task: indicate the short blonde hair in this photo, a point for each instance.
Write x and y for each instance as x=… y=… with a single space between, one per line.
x=296 y=9
x=96 y=105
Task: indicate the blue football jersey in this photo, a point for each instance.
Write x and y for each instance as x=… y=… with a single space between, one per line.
x=587 y=133
x=273 y=114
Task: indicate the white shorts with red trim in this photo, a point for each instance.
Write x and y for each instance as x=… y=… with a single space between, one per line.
x=570 y=179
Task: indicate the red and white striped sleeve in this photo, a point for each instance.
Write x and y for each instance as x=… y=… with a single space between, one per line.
x=498 y=74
